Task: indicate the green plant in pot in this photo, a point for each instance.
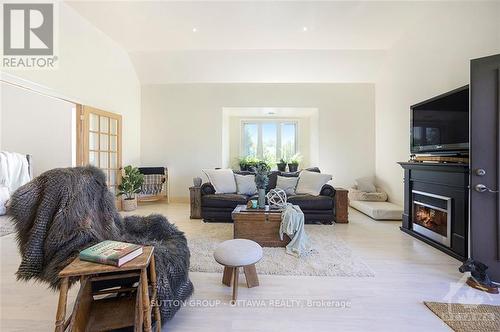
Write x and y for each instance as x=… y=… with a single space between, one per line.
x=131 y=185
x=243 y=163
x=281 y=165
x=248 y=163
x=293 y=163
x=261 y=180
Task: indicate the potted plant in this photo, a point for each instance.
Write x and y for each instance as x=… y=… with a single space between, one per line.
x=243 y=162
x=248 y=163
x=293 y=163
x=281 y=165
x=261 y=181
x=131 y=185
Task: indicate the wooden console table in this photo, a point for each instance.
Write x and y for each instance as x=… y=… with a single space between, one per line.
x=130 y=307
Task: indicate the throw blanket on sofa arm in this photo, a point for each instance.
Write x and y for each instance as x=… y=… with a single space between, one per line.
x=292 y=224
x=64 y=211
x=14 y=170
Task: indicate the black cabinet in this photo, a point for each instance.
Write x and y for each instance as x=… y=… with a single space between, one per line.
x=436 y=205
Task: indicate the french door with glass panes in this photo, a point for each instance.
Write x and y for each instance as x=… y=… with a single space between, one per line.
x=100 y=142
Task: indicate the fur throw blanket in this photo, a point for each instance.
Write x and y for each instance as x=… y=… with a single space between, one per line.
x=64 y=211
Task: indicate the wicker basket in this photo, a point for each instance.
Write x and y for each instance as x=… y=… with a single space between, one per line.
x=129 y=204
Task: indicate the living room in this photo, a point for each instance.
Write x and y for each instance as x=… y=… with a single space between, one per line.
x=184 y=91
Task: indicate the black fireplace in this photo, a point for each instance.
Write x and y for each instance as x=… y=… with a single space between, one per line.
x=436 y=205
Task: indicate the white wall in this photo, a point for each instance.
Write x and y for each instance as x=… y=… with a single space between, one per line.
x=95 y=71
x=47 y=136
x=257 y=66
x=181 y=125
x=429 y=61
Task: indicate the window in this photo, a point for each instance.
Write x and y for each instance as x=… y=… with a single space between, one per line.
x=269 y=140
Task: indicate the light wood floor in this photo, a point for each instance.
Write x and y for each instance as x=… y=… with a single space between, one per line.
x=407 y=273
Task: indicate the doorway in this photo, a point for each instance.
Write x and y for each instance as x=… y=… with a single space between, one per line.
x=99 y=142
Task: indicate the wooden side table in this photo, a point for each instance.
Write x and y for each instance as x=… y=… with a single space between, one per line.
x=108 y=313
x=195 y=202
x=341 y=206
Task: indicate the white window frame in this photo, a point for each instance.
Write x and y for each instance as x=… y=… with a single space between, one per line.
x=259 y=122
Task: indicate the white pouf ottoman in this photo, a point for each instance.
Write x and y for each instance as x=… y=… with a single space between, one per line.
x=233 y=254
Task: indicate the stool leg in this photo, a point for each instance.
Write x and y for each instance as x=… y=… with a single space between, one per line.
x=235 y=282
x=61 y=306
x=227 y=275
x=251 y=276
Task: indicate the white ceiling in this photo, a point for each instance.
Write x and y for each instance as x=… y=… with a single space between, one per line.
x=256 y=41
x=166 y=25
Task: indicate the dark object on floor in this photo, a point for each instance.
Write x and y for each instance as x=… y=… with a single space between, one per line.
x=66 y=210
x=479 y=279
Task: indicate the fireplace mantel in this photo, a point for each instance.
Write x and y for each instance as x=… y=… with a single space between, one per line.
x=444 y=180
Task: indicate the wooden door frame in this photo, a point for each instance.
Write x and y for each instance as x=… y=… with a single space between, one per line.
x=79 y=135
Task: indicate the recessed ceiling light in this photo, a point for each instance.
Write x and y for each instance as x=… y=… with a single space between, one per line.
x=194 y=29
x=304 y=29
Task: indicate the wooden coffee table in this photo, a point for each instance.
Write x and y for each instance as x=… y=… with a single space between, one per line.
x=259 y=225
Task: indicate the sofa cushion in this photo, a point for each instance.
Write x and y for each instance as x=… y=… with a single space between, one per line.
x=244 y=172
x=288 y=184
x=311 y=182
x=379 y=210
x=310 y=202
x=290 y=174
x=273 y=178
x=378 y=196
x=223 y=200
x=366 y=185
x=245 y=184
x=222 y=180
x=273 y=175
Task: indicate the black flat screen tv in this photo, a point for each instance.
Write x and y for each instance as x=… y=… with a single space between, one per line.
x=441 y=125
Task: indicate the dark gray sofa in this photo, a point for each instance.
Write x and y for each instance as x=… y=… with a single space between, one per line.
x=317 y=209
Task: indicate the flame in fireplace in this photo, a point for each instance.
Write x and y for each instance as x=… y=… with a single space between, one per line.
x=432 y=219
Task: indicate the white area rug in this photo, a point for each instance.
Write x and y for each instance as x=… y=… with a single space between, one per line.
x=6 y=226
x=332 y=256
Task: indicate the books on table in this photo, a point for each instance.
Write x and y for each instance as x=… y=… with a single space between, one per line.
x=111 y=253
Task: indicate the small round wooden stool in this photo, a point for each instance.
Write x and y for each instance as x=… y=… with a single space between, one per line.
x=237 y=253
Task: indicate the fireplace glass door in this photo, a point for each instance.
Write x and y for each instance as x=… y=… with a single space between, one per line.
x=432 y=216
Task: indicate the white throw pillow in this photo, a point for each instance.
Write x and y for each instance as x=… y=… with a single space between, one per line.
x=378 y=196
x=222 y=180
x=366 y=184
x=311 y=182
x=245 y=184
x=4 y=197
x=287 y=183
